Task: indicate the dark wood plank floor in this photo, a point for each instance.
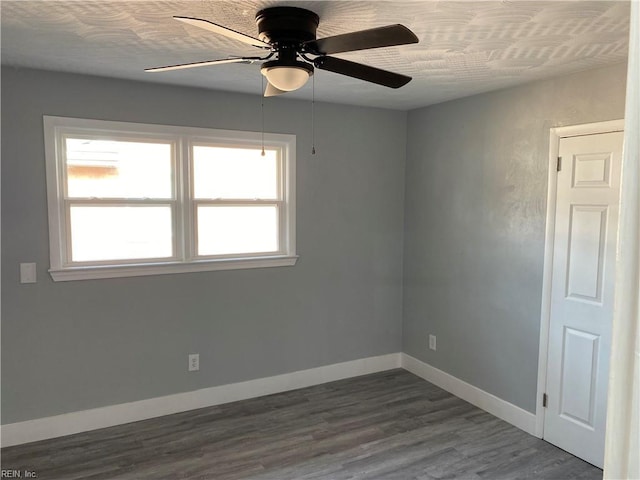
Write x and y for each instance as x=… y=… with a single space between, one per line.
x=389 y=425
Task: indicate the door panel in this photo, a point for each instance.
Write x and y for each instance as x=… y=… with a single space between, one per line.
x=592 y=170
x=587 y=236
x=579 y=372
x=582 y=288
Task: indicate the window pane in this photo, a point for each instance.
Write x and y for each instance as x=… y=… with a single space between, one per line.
x=114 y=169
x=237 y=229
x=222 y=172
x=120 y=232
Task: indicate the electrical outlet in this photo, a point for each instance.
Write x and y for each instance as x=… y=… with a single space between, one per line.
x=194 y=362
x=432 y=342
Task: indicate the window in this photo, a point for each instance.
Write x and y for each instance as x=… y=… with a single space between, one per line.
x=128 y=199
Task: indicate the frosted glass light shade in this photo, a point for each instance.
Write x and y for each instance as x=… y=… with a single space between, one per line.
x=286 y=78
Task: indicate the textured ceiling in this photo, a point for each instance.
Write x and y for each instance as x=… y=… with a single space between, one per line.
x=465 y=47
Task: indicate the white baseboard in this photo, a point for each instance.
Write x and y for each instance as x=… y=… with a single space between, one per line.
x=85 y=420
x=502 y=409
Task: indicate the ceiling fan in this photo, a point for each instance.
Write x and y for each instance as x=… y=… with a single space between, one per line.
x=288 y=36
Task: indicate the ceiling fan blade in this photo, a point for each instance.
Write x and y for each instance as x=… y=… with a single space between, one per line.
x=219 y=29
x=388 y=36
x=363 y=72
x=272 y=91
x=199 y=64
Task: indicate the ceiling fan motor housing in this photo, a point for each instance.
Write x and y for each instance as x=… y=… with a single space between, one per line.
x=286 y=25
x=287 y=28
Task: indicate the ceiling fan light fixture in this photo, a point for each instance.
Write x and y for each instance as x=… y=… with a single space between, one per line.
x=287 y=76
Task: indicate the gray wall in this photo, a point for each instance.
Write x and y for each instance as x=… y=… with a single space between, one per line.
x=71 y=346
x=476 y=186
x=476 y=179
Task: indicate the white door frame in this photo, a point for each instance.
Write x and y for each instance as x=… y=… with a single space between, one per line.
x=555 y=134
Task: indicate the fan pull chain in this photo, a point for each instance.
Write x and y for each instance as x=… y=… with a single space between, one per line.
x=262 y=111
x=313 y=104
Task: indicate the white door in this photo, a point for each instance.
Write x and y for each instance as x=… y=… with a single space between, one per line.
x=582 y=287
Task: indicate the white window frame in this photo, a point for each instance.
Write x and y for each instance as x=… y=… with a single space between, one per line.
x=182 y=139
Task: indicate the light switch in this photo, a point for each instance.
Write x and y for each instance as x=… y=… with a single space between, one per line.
x=27 y=273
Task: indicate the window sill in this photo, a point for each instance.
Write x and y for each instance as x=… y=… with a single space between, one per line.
x=140 y=270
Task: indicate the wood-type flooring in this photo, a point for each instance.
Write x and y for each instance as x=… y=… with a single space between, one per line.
x=389 y=425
